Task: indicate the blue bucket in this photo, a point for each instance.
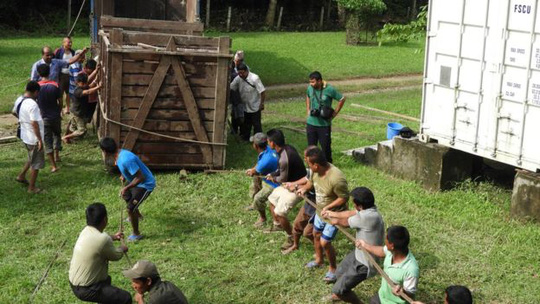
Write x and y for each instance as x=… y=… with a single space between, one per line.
x=393 y=129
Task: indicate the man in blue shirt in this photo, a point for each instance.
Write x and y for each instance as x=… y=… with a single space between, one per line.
x=266 y=164
x=140 y=181
x=55 y=65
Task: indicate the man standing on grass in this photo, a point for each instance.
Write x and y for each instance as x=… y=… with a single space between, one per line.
x=56 y=65
x=145 y=279
x=50 y=104
x=89 y=267
x=140 y=181
x=31 y=133
x=319 y=96
x=331 y=195
x=252 y=93
x=399 y=264
x=291 y=168
x=369 y=226
x=65 y=52
x=267 y=162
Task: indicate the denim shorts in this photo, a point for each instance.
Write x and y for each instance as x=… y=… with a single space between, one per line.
x=329 y=232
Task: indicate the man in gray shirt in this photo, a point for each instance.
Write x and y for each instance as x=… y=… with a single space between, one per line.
x=369 y=226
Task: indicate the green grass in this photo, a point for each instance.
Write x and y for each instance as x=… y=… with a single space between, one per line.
x=202 y=239
x=278 y=58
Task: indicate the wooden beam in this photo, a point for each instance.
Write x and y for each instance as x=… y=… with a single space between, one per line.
x=148 y=101
x=191 y=105
x=221 y=102
x=191 y=11
x=115 y=87
x=163 y=26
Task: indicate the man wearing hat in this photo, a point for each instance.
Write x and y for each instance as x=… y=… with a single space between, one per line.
x=267 y=162
x=145 y=278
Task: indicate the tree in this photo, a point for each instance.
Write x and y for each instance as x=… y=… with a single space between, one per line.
x=271 y=13
x=360 y=15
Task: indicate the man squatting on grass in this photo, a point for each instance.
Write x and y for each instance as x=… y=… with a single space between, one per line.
x=145 y=278
x=88 y=271
x=50 y=104
x=331 y=194
x=302 y=223
x=267 y=162
x=369 y=226
x=32 y=132
x=79 y=108
x=291 y=168
x=455 y=295
x=140 y=181
x=399 y=264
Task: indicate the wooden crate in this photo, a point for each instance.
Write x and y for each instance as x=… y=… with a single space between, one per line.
x=173 y=85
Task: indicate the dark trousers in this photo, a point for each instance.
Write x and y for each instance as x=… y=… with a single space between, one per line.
x=251 y=120
x=323 y=136
x=102 y=292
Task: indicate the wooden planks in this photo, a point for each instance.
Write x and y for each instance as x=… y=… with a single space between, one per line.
x=221 y=94
x=167 y=114
x=115 y=88
x=147 y=25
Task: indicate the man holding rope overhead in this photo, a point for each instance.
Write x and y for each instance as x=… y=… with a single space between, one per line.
x=88 y=271
x=140 y=181
x=267 y=162
x=369 y=226
x=331 y=194
x=399 y=264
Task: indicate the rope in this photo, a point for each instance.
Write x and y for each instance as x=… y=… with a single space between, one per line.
x=154 y=133
x=77 y=19
x=12 y=85
x=366 y=253
x=46 y=273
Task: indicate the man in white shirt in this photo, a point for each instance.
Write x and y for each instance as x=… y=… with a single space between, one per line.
x=32 y=131
x=252 y=94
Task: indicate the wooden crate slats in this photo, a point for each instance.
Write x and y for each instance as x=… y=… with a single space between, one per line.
x=153 y=138
x=167 y=114
x=168 y=125
x=160 y=147
x=145 y=67
x=167 y=91
x=115 y=86
x=148 y=100
x=221 y=94
x=162 y=40
x=163 y=26
x=173 y=103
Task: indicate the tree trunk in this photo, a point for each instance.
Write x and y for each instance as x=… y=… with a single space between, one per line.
x=414 y=10
x=271 y=13
x=352 y=27
x=342 y=14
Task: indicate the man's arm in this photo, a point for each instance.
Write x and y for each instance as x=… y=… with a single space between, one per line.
x=336 y=203
x=91 y=90
x=339 y=218
x=76 y=57
x=307 y=106
x=139 y=178
x=339 y=106
x=375 y=250
x=305 y=188
x=35 y=128
x=33 y=73
x=263 y=96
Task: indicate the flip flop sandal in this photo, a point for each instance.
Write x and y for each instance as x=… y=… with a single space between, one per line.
x=313 y=265
x=135 y=238
x=24 y=181
x=330 y=277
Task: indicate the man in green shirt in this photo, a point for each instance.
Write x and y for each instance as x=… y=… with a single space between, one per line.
x=145 y=278
x=319 y=97
x=399 y=264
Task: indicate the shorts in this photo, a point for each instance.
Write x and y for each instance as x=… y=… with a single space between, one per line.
x=63 y=82
x=255 y=186
x=329 y=232
x=260 y=198
x=301 y=225
x=36 y=158
x=283 y=200
x=134 y=197
x=77 y=125
x=101 y=292
x=349 y=273
x=53 y=135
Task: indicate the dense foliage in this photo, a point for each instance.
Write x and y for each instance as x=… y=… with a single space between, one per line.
x=404 y=32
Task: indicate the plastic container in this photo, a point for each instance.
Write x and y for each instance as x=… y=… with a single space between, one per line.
x=393 y=129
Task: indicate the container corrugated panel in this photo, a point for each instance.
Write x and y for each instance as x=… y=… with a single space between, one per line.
x=482 y=79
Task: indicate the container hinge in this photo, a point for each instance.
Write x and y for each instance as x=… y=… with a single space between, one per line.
x=457 y=107
x=509 y=132
x=466 y=121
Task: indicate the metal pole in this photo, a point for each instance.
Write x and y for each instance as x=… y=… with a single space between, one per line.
x=69 y=17
x=229 y=19
x=279 y=18
x=207 y=23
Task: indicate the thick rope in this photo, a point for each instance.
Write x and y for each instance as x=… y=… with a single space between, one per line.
x=12 y=85
x=77 y=19
x=366 y=253
x=153 y=133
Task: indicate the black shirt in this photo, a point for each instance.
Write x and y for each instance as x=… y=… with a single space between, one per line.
x=49 y=93
x=291 y=166
x=79 y=102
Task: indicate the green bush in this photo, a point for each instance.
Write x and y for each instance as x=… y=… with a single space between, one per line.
x=404 y=32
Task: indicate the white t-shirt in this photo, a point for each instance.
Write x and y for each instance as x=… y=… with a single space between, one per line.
x=67 y=56
x=29 y=112
x=250 y=94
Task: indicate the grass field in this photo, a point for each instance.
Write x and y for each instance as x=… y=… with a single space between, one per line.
x=202 y=239
x=276 y=57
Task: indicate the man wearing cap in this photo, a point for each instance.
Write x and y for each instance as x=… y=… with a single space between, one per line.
x=145 y=278
x=88 y=271
x=267 y=162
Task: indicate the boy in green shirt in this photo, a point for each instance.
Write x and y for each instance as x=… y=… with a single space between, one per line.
x=399 y=264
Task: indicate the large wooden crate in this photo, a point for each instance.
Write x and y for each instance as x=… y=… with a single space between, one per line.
x=172 y=85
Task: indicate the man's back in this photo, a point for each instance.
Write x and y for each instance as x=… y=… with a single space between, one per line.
x=129 y=163
x=369 y=227
x=49 y=94
x=330 y=186
x=164 y=292
x=28 y=112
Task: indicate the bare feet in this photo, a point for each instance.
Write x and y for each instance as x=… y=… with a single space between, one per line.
x=289 y=250
x=22 y=180
x=259 y=224
x=54 y=169
x=34 y=191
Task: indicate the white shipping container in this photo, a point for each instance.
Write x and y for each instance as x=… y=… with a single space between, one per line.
x=482 y=79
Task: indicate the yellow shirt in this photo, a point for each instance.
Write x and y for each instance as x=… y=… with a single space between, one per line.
x=329 y=187
x=91 y=255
